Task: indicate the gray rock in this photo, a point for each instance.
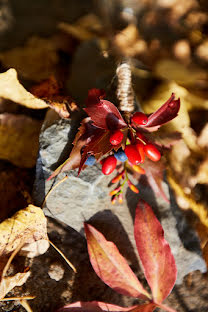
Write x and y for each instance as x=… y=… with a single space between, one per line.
x=86 y=198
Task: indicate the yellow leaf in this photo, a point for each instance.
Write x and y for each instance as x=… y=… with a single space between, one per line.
x=11 y=89
x=25 y=227
x=9 y=282
x=19 y=139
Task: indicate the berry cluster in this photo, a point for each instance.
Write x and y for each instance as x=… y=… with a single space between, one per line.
x=137 y=147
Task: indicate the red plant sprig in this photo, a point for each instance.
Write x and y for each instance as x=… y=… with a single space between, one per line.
x=157 y=261
x=105 y=135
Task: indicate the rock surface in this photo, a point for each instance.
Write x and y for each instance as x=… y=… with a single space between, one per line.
x=85 y=197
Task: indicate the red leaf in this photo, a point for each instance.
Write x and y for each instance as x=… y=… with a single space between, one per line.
x=165 y=113
x=94 y=306
x=147 y=307
x=155 y=254
x=154 y=173
x=104 y=114
x=165 y=308
x=110 y=265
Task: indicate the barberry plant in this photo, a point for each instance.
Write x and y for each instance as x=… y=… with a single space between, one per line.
x=156 y=258
x=106 y=137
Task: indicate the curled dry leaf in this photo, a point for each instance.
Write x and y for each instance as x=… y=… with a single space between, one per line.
x=11 y=89
x=155 y=254
x=49 y=90
x=19 y=139
x=25 y=227
x=110 y=265
x=9 y=282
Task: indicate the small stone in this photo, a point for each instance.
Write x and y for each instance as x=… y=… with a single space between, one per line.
x=56 y=271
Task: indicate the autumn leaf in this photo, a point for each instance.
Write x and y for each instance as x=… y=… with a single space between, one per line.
x=49 y=90
x=26 y=226
x=155 y=254
x=110 y=265
x=103 y=113
x=19 y=139
x=93 y=306
x=11 y=89
x=7 y=283
x=165 y=113
x=147 y=307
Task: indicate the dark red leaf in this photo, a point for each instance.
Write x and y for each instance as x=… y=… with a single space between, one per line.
x=165 y=113
x=94 y=306
x=104 y=114
x=155 y=254
x=110 y=265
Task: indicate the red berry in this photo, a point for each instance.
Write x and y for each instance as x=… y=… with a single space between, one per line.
x=139 y=118
x=140 y=149
x=108 y=165
x=152 y=152
x=116 y=137
x=132 y=154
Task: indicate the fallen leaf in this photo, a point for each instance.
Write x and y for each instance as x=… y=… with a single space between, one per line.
x=93 y=306
x=180 y=73
x=19 y=139
x=86 y=28
x=36 y=60
x=25 y=227
x=147 y=307
x=9 y=282
x=110 y=265
x=50 y=91
x=11 y=89
x=155 y=253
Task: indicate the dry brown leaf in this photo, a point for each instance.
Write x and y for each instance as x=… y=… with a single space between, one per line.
x=203 y=137
x=128 y=41
x=181 y=74
x=11 y=89
x=36 y=60
x=181 y=123
x=9 y=282
x=25 y=227
x=19 y=137
x=86 y=28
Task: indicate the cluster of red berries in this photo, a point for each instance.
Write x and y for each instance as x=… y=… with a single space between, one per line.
x=136 y=151
x=136 y=148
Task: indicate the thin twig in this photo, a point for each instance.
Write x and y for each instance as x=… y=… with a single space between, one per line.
x=11 y=258
x=25 y=305
x=18 y=298
x=53 y=188
x=65 y=258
